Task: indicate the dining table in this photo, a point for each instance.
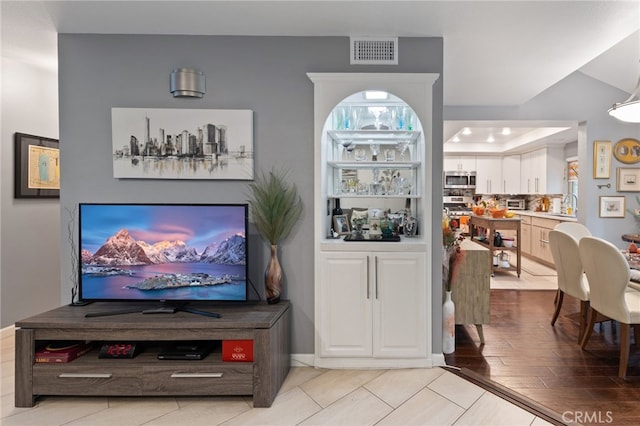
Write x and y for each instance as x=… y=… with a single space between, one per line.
x=631 y=238
x=634 y=263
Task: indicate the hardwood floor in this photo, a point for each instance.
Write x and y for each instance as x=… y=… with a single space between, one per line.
x=524 y=353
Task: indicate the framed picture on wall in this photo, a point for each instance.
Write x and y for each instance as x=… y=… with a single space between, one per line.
x=168 y=143
x=602 y=159
x=627 y=151
x=612 y=206
x=36 y=167
x=628 y=179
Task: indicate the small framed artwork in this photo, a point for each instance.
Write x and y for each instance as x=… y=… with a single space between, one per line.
x=628 y=179
x=602 y=159
x=612 y=206
x=627 y=151
x=341 y=224
x=36 y=167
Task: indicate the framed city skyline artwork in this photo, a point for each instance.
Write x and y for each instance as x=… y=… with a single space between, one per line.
x=165 y=143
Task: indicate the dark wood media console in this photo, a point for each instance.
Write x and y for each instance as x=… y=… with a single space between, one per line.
x=267 y=325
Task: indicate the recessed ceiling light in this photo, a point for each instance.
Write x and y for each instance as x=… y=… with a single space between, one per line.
x=466 y=131
x=490 y=139
x=506 y=131
x=455 y=139
x=375 y=95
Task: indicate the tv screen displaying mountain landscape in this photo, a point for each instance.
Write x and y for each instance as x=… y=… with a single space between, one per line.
x=163 y=252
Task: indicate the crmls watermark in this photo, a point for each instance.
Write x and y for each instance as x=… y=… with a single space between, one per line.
x=591 y=417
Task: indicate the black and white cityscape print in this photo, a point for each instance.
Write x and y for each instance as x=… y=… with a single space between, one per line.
x=182 y=143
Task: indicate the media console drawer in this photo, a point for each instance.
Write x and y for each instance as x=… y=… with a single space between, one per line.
x=200 y=379
x=67 y=379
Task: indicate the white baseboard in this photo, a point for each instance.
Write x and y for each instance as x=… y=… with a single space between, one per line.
x=309 y=360
x=438 y=360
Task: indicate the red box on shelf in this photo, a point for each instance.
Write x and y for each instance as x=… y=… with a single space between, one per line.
x=237 y=350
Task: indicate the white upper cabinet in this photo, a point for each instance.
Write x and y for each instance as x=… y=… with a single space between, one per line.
x=536 y=172
x=488 y=175
x=457 y=163
x=542 y=171
x=511 y=174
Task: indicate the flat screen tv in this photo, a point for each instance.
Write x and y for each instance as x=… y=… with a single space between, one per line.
x=163 y=252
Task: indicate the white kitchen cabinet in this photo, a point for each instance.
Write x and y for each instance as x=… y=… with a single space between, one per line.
x=457 y=163
x=488 y=175
x=526 y=180
x=542 y=171
x=511 y=174
x=372 y=305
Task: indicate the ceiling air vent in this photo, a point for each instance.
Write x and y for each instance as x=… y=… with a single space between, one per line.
x=374 y=51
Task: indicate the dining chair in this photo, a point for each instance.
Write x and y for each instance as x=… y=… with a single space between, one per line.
x=571 y=278
x=608 y=273
x=577 y=230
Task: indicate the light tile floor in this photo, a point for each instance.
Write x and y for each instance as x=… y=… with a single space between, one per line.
x=308 y=397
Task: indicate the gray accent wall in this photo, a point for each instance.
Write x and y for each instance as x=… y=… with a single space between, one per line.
x=267 y=75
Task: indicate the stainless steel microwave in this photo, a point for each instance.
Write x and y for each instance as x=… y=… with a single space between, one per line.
x=459 y=180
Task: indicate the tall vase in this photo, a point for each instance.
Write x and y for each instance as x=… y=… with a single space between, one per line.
x=273 y=277
x=448 y=325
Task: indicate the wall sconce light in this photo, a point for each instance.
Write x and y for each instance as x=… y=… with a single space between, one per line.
x=187 y=83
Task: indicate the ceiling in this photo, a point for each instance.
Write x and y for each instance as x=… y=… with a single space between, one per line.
x=493 y=51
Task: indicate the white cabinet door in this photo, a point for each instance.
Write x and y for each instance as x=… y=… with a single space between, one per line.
x=511 y=174
x=459 y=163
x=489 y=175
x=374 y=305
x=345 y=305
x=552 y=170
x=543 y=171
x=538 y=171
x=399 y=320
x=526 y=176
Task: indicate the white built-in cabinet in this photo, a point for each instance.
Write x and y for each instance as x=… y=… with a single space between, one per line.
x=372 y=305
x=488 y=175
x=373 y=298
x=511 y=174
x=457 y=163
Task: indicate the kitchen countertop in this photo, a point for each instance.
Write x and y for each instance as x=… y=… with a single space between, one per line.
x=555 y=216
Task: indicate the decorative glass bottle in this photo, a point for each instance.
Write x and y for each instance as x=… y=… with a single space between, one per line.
x=448 y=324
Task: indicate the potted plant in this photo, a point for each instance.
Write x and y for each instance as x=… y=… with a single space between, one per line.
x=275 y=208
